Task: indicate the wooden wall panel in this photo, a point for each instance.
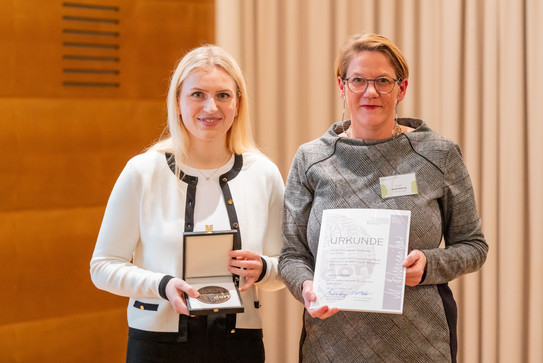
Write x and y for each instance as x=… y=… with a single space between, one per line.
x=63 y=146
x=47 y=261
x=140 y=39
x=60 y=153
x=94 y=337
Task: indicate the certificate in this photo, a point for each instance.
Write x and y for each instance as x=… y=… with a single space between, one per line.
x=359 y=260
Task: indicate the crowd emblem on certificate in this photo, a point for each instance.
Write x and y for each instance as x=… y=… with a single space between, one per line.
x=359 y=260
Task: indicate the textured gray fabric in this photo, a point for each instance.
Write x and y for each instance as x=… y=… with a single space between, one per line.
x=338 y=172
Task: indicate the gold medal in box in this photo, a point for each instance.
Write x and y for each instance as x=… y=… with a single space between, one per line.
x=205 y=268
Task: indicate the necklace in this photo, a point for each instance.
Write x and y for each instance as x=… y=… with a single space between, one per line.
x=396 y=130
x=208 y=176
x=208 y=173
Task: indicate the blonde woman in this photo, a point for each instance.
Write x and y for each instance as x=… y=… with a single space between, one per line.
x=206 y=171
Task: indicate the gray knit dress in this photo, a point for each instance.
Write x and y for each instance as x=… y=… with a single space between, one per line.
x=339 y=172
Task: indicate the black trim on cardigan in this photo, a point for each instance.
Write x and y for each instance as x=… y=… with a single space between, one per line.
x=162 y=286
x=264 y=269
x=184 y=177
x=233 y=218
x=145 y=306
x=192 y=181
x=189 y=205
x=228 y=201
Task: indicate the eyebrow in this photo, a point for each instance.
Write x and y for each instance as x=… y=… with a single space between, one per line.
x=356 y=74
x=203 y=90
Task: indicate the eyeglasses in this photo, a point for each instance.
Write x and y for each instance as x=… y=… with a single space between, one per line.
x=383 y=85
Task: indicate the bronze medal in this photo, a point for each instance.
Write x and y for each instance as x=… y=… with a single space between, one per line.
x=213 y=294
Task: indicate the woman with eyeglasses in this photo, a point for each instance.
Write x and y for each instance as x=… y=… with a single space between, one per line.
x=346 y=168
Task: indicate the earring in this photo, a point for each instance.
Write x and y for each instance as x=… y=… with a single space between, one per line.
x=342 y=117
x=396 y=129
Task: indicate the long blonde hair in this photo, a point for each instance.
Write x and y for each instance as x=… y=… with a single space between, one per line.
x=239 y=138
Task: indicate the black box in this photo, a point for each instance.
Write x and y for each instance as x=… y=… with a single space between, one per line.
x=205 y=268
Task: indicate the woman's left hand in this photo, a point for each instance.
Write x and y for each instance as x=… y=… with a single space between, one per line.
x=415 y=263
x=247 y=264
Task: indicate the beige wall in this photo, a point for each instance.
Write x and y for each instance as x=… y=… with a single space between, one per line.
x=476 y=77
x=63 y=147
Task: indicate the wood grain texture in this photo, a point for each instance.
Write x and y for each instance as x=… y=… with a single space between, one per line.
x=62 y=148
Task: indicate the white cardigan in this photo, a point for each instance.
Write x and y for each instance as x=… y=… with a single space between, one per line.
x=141 y=237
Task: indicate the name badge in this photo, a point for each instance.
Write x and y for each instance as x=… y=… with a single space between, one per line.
x=398 y=185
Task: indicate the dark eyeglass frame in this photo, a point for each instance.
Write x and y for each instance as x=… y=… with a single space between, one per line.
x=395 y=80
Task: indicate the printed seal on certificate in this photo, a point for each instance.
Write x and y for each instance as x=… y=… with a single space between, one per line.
x=205 y=268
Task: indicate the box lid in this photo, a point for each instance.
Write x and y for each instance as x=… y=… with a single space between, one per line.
x=206 y=253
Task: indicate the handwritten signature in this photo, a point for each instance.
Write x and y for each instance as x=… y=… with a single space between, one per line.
x=338 y=293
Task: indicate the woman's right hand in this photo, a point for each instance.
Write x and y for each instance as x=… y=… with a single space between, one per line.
x=308 y=294
x=174 y=292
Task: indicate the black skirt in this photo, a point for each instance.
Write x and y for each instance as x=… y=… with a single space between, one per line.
x=200 y=339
